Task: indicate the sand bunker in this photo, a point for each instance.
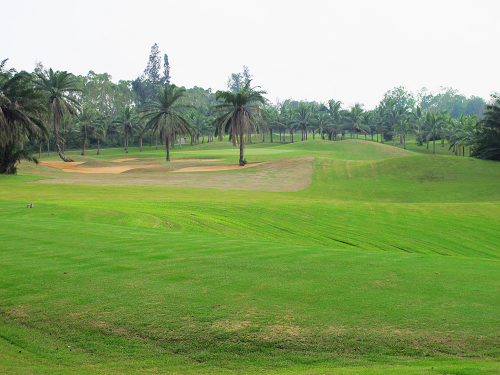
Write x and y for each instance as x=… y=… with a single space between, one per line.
x=74 y=168
x=123 y=159
x=199 y=160
x=214 y=168
x=60 y=164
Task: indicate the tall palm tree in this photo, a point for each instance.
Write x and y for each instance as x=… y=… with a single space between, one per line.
x=162 y=114
x=241 y=114
x=59 y=89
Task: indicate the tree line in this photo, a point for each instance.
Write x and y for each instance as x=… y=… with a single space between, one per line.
x=93 y=111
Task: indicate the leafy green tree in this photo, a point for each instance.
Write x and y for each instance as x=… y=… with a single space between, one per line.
x=162 y=115
x=59 y=89
x=241 y=114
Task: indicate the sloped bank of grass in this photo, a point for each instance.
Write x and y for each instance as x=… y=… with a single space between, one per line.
x=237 y=304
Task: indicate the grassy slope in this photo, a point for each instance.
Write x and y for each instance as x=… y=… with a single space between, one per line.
x=195 y=280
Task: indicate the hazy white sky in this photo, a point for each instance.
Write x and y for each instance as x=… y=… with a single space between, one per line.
x=353 y=51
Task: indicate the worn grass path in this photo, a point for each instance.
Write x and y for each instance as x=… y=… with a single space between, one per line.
x=385 y=263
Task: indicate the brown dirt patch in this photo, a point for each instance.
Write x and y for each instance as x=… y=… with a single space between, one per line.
x=74 y=168
x=181 y=160
x=122 y=159
x=213 y=168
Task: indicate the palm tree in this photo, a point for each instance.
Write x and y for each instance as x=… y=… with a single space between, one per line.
x=125 y=121
x=20 y=113
x=98 y=128
x=418 y=121
x=354 y=117
x=488 y=138
x=334 y=110
x=11 y=155
x=404 y=127
x=161 y=114
x=303 y=117
x=20 y=107
x=241 y=114
x=86 y=117
x=59 y=88
x=433 y=123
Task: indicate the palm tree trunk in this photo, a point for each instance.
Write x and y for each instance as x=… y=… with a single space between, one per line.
x=140 y=143
x=48 y=147
x=98 y=147
x=434 y=145
x=156 y=141
x=83 y=145
x=404 y=142
x=167 y=145
x=56 y=139
x=126 y=142
x=151 y=140
x=242 y=146
x=271 y=135
x=40 y=151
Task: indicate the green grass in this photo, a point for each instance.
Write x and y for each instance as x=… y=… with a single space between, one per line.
x=386 y=264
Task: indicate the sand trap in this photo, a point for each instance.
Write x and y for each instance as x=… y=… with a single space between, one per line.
x=60 y=164
x=74 y=168
x=109 y=170
x=214 y=168
x=198 y=160
x=123 y=159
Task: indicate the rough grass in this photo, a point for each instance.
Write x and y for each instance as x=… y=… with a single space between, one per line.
x=385 y=263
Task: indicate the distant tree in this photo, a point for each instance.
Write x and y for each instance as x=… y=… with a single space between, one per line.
x=241 y=114
x=152 y=71
x=236 y=80
x=165 y=80
x=401 y=97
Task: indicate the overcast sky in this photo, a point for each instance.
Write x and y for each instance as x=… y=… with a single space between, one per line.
x=353 y=51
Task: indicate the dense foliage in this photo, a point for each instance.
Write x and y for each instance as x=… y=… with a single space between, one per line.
x=92 y=111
